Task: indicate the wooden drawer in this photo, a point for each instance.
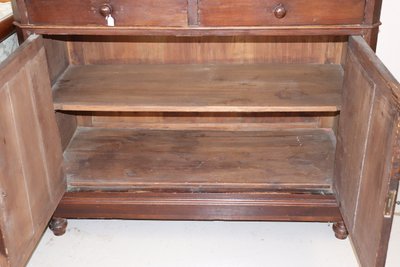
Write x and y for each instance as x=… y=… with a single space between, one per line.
x=279 y=12
x=125 y=12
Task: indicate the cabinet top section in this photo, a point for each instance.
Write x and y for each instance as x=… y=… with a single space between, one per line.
x=198 y=17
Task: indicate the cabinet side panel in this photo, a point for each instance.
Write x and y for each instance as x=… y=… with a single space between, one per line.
x=197 y=50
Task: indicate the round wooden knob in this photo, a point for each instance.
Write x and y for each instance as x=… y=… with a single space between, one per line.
x=105 y=10
x=280 y=11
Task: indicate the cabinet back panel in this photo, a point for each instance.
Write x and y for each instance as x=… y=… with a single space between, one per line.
x=201 y=50
x=57 y=57
x=57 y=62
x=187 y=50
x=207 y=121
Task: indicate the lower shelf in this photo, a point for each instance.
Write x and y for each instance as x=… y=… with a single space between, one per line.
x=291 y=160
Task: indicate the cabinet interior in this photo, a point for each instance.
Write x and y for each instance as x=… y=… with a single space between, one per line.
x=198 y=114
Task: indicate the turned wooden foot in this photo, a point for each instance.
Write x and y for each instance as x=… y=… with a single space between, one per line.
x=58 y=225
x=340 y=230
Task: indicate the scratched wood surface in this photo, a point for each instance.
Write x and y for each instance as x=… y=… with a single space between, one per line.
x=107 y=50
x=296 y=159
x=200 y=88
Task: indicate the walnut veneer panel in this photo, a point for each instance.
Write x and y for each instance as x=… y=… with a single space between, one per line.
x=216 y=49
x=298 y=12
x=200 y=88
x=125 y=12
x=296 y=159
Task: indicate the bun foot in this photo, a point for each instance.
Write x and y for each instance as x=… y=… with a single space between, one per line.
x=340 y=230
x=58 y=226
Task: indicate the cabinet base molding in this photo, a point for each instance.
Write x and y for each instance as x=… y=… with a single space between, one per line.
x=271 y=206
x=58 y=225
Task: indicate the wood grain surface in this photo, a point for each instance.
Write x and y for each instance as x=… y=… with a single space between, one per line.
x=200 y=206
x=298 y=160
x=31 y=176
x=261 y=12
x=200 y=88
x=208 y=120
x=85 y=50
x=365 y=157
x=125 y=12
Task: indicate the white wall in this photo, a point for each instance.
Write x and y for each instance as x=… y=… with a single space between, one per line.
x=388 y=48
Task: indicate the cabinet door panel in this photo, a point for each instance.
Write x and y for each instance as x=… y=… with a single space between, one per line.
x=31 y=177
x=366 y=156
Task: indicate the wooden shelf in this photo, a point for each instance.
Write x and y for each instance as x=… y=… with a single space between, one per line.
x=294 y=160
x=200 y=88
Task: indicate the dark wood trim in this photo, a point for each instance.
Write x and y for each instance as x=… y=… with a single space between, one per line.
x=58 y=226
x=6 y=27
x=340 y=230
x=200 y=31
x=198 y=206
x=371 y=37
x=20 y=11
x=372 y=16
x=372 y=11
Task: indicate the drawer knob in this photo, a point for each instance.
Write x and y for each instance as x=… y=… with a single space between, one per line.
x=105 y=10
x=280 y=11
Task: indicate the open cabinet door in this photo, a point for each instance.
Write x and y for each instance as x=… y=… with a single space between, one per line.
x=31 y=177
x=368 y=150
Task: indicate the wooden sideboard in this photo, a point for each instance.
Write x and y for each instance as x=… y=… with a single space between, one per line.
x=259 y=110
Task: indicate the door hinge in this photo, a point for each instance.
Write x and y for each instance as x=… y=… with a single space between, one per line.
x=390 y=203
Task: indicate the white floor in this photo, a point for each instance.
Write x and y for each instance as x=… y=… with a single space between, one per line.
x=189 y=244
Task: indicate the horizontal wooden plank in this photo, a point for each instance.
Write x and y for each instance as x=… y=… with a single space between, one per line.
x=200 y=88
x=357 y=29
x=200 y=161
x=200 y=206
